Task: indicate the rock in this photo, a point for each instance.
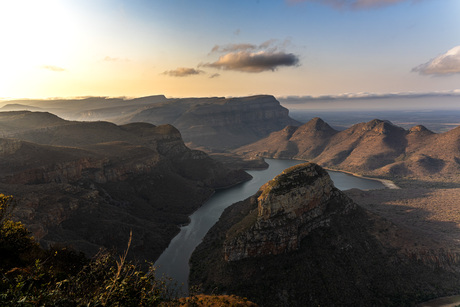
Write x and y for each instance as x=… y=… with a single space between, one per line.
x=290 y=206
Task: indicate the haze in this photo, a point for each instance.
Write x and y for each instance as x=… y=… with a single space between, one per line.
x=228 y=48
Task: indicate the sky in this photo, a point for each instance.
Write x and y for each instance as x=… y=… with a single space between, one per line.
x=201 y=48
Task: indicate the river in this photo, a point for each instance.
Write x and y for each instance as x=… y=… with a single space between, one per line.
x=173 y=262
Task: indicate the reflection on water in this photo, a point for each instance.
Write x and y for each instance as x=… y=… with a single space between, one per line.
x=174 y=260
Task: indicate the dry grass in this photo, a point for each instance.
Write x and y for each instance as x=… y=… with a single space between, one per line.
x=430 y=216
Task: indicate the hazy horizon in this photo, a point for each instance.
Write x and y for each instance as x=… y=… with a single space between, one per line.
x=208 y=48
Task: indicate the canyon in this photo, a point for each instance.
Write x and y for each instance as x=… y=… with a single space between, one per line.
x=87 y=184
x=301 y=242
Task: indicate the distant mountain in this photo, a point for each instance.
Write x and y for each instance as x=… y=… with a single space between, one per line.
x=376 y=148
x=299 y=241
x=18 y=107
x=215 y=124
x=87 y=184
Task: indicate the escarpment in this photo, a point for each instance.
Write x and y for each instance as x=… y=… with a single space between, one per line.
x=87 y=184
x=289 y=207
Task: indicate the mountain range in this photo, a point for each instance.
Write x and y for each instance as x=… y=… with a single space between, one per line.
x=376 y=148
x=214 y=123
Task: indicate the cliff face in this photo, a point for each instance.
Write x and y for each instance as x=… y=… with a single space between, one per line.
x=86 y=184
x=219 y=123
x=213 y=123
x=301 y=242
x=290 y=206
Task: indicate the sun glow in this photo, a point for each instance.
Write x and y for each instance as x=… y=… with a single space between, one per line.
x=36 y=39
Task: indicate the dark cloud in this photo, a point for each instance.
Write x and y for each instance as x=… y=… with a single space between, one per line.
x=254 y=62
x=214 y=76
x=445 y=64
x=54 y=68
x=183 y=72
x=352 y=4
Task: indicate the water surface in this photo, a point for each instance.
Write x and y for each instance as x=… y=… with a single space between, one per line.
x=173 y=262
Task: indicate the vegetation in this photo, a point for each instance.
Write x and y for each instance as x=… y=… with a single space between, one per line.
x=31 y=276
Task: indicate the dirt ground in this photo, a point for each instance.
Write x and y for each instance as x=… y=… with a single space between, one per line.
x=430 y=215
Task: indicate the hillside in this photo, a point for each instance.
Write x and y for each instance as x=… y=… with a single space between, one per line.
x=376 y=148
x=214 y=124
x=87 y=184
x=301 y=242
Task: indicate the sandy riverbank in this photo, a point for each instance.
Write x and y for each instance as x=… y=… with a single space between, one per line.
x=387 y=183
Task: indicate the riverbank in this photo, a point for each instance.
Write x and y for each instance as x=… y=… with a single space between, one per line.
x=386 y=182
x=448 y=301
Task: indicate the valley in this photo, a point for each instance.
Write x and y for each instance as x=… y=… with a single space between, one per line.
x=147 y=164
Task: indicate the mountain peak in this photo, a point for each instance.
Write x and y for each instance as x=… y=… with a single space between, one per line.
x=419 y=128
x=316 y=124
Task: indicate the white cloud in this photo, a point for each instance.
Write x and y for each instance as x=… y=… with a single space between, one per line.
x=444 y=64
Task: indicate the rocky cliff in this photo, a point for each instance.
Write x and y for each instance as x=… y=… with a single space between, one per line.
x=219 y=123
x=87 y=184
x=290 y=206
x=213 y=123
x=301 y=242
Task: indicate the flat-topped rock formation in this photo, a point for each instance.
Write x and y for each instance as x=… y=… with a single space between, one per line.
x=301 y=242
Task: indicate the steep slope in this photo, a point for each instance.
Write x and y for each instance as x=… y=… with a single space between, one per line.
x=213 y=123
x=219 y=123
x=376 y=148
x=87 y=184
x=301 y=242
x=307 y=141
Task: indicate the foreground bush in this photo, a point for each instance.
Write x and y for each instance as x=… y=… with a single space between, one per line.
x=31 y=276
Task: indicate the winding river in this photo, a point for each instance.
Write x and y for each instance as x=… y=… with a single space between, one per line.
x=173 y=262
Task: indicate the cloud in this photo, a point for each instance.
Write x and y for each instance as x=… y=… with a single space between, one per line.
x=183 y=72
x=246 y=57
x=444 y=64
x=254 y=62
x=367 y=96
x=214 y=76
x=271 y=44
x=54 y=68
x=352 y=4
x=233 y=47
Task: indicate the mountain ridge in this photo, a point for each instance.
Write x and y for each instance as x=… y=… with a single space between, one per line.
x=376 y=148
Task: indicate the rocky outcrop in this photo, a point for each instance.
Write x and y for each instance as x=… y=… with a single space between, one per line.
x=290 y=206
x=301 y=242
